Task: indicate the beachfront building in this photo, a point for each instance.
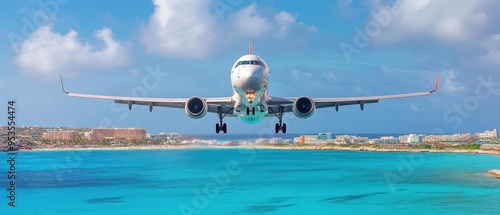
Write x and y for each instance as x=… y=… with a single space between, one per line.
x=60 y=135
x=411 y=138
x=87 y=135
x=165 y=136
x=321 y=138
x=325 y=136
x=448 y=138
x=385 y=140
x=350 y=139
x=118 y=133
x=487 y=135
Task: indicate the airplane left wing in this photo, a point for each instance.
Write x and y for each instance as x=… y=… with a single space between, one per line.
x=287 y=103
x=213 y=103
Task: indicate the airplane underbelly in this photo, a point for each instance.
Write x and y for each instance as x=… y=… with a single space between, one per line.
x=251 y=119
x=250 y=114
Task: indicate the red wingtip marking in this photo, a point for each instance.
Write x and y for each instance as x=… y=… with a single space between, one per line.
x=437 y=82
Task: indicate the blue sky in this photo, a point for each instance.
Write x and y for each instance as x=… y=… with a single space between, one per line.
x=315 y=49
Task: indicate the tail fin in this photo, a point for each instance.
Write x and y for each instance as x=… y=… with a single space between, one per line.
x=250 y=46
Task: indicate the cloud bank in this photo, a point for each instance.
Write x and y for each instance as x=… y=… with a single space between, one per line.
x=185 y=30
x=48 y=52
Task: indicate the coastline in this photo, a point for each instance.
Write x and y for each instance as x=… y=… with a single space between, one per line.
x=372 y=149
x=284 y=147
x=495 y=173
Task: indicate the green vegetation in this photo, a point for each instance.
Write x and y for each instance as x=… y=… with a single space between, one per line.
x=470 y=146
x=426 y=146
x=441 y=147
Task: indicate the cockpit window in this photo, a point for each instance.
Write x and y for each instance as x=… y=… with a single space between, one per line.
x=250 y=62
x=237 y=64
x=262 y=64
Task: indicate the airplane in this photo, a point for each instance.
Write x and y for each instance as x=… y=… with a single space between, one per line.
x=250 y=101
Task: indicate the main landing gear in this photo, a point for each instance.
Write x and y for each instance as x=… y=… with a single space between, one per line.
x=221 y=126
x=280 y=126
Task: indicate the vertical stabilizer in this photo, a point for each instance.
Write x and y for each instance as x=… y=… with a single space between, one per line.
x=250 y=46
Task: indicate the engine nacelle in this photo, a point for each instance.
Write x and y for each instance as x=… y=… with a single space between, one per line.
x=196 y=107
x=303 y=107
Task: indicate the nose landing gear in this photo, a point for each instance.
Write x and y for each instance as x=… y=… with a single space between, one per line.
x=253 y=111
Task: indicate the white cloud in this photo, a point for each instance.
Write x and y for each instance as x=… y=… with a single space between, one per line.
x=468 y=27
x=389 y=70
x=443 y=20
x=330 y=76
x=299 y=75
x=286 y=22
x=449 y=85
x=187 y=30
x=248 y=22
x=46 y=52
x=492 y=45
x=414 y=108
x=180 y=28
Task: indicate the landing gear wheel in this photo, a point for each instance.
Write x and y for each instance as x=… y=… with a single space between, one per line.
x=248 y=111
x=280 y=126
x=253 y=110
x=222 y=126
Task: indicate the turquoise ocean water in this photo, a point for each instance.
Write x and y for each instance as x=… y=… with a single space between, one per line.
x=251 y=181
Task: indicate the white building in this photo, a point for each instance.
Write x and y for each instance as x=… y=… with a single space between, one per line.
x=385 y=140
x=411 y=138
x=346 y=139
x=487 y=135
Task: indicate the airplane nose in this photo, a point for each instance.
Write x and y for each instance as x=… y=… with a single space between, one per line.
x=249 y=78
x=251 y=74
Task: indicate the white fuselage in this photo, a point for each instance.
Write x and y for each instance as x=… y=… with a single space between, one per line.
x=250 y=81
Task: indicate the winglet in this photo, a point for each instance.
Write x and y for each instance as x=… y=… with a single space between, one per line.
x=437 y=85
x=62 y=85
x=250 y=46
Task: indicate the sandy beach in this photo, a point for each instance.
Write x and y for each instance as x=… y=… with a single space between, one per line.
x=495 y=173
x=372 y=149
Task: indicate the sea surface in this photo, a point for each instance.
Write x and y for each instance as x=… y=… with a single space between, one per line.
x=250 y=181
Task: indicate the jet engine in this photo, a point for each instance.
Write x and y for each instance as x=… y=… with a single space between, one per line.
x=303 y=107
x=196 y=107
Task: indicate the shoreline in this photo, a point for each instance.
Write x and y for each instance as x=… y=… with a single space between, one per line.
x=286 y=147
x=495 y=173
x=372 y=149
